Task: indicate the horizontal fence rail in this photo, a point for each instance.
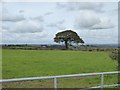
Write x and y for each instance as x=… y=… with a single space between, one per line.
x=65 y=76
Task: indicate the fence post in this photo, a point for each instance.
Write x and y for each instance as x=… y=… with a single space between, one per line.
x=55 y=83
x=102 y=80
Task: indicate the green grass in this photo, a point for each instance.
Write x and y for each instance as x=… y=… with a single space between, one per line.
x=0 y=63
x=32 y=63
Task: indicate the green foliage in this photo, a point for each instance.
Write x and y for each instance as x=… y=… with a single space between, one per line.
x=68 y=36
x=114 y=55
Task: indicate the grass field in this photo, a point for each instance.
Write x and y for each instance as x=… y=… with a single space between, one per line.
x=31 y=63
x=0 y=63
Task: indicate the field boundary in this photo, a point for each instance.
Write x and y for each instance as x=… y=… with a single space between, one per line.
x=66 y=76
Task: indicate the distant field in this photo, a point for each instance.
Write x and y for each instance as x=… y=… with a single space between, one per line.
x=31 y=63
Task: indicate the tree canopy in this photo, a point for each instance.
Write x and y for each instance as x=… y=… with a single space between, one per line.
x=67 y=37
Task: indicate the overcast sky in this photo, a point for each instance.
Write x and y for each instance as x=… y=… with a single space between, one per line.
x=38 y=22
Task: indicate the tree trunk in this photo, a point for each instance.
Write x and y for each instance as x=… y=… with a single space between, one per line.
x=66 y=44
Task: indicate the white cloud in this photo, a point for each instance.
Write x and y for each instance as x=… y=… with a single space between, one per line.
x=28 y=26
x=21 y=11
x=99 y=36
x=11 y=37
x=6 y=16
x=86 y=20
x=31 y=37
x=59 y=24
x=39 y=22
x=48 y=13
x=96 y=6
x=11 y=18
x=5 y=27
x=104 y=24
x=91 y=20
x=38 y=18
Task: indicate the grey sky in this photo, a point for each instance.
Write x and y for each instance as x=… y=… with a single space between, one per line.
x=38 y=22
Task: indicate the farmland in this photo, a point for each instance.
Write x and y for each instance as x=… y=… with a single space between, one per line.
x=32 y=63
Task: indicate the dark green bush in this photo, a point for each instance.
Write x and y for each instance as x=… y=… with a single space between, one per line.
x=114 y=55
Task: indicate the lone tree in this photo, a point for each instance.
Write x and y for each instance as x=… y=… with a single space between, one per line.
x=68 y=37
